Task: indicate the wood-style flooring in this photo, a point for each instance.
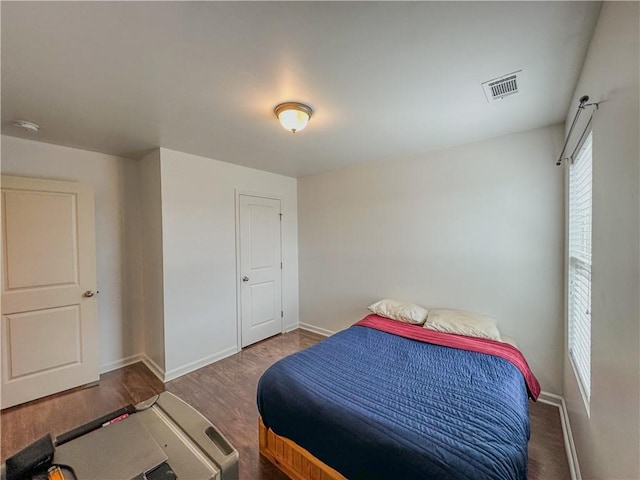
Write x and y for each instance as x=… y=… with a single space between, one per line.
x=225 y=393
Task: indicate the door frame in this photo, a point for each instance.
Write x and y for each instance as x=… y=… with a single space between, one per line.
x=271 y=196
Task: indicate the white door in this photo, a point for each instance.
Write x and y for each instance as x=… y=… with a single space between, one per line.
x=49 y=322
x=260 y=268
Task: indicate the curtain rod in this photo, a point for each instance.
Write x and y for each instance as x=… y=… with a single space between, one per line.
x=583 y=104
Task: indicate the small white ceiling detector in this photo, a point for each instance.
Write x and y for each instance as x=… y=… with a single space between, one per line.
x=29 y=126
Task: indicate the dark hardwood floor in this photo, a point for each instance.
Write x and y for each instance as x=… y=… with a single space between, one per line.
x=225 y=393
x=56 y=414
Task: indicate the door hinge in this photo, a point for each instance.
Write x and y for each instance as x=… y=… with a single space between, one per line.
x=280 y=216
x=281 y=313
x=280 y=265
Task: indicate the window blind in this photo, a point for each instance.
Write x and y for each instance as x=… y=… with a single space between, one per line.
x=580 y=210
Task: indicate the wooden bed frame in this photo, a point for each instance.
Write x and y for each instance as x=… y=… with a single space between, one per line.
x=292 y=459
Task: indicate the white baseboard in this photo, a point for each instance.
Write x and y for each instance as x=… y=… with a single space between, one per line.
x=203 y=362
x=550 y=399
x=123 y=362
x=569 y=445
x=312 y=328
x=291 y=328
x=172 y=374
x=154 y=367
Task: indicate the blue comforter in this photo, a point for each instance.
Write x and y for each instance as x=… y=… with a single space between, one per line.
x=374 y=405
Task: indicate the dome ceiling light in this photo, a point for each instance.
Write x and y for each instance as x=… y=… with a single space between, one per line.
x=293 y=116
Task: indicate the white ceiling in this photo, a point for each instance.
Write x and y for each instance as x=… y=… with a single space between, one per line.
x=386 y=80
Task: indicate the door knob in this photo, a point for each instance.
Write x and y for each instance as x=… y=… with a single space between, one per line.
x=89 y=293
x=245 y=279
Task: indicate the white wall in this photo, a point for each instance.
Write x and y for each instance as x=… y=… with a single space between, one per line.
x=477 y=227
x=199 y=243
x=114 y=181
x=151 y=255
x=608 y=443
x=166 y=262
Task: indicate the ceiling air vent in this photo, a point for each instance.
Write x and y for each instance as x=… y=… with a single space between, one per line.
x=501 y=87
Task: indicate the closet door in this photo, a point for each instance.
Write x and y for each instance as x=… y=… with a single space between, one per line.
x=260 y=268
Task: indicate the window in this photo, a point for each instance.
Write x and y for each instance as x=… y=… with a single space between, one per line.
x=580 y=195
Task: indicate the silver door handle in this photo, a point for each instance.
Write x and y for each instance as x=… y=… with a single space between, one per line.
x=89 y=293
x=245 y=279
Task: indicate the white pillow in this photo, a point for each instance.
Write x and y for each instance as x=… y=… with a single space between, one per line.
x=404 y=312
x=462 y=323
x=509 y=340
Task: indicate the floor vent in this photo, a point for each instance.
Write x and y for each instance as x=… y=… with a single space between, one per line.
x=501 y=87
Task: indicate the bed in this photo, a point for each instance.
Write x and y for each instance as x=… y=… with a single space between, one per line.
x=388 y=400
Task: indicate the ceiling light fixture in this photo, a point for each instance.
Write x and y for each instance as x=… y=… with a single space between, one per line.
x=30 y=126
x=293 y=116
